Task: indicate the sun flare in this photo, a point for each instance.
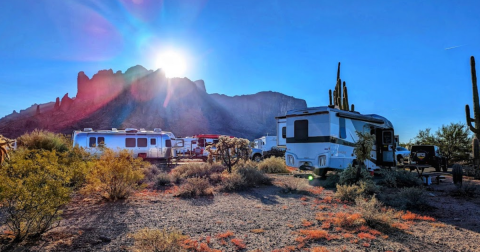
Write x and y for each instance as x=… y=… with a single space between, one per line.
x=172 y=63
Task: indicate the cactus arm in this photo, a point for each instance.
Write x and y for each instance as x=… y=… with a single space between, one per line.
x=330 y=96
x=338 y=71
x=469 y=119
x=353 y=107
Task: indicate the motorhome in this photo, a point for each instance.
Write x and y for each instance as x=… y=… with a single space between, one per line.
x=323 y=138
x=281 y=131
x=156 y=144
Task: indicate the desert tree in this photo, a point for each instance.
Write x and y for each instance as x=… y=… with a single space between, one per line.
x=229 y=151
x=363 y=148
x=454 y=140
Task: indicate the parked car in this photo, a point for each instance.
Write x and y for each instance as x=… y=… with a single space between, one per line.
x=402 y=155
x=428 y=154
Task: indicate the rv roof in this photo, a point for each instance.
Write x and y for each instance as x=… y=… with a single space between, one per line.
x=125 y=131
x=347 y=114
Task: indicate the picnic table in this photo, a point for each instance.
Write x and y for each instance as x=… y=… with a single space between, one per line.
x=421 y=169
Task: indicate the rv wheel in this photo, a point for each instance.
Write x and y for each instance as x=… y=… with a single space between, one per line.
x=320 y=172
x=400 y=160
x=257 y=158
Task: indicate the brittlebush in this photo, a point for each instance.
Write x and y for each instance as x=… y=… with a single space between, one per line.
x=116 y=174
x=35 y=184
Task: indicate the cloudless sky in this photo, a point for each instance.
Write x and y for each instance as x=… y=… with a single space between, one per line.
x=405 y=60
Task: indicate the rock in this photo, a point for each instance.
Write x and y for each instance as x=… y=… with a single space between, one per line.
x=105 y=239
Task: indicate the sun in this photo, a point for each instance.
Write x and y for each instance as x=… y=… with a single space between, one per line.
x=172 y=63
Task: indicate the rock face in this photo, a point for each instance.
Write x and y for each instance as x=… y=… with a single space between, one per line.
x=142 y=98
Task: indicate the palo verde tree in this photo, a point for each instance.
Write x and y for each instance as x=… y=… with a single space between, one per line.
x=229 y=151
x=454 y=141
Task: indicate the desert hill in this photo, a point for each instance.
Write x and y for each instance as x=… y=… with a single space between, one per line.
x=142 y=98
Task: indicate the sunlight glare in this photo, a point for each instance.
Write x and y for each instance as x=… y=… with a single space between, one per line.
x=172 y=63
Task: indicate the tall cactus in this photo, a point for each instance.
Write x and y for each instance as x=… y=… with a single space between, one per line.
x=340 y=95
x=476 y=112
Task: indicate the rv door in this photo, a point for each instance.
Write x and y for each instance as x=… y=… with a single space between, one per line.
x=388 y=147
x=153 y=148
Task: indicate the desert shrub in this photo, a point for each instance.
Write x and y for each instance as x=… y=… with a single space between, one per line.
x=251 y=174
x=162 y=179
x=34 y=186
x=233 y=182
x=407 y=198
x=295 y=185
x=351 y=192
x=42 y=139
x=374 y=212
x=273 y=165
x=192 y=170
x=79 y=162
x=195 y=187
x=158 y=240
x=349 y=175
x=229 y=151
x=116 y=175
x=400 y=179
x=467 y=189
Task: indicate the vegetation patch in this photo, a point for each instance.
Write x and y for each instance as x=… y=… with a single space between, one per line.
x=273 y=165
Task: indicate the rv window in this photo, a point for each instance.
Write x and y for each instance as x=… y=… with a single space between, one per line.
x=141 y=142
x=343 y=132
x=153 y=141
x=101 y=141
x=194 y=142
x=284 y=132
x=130 y=142
x=168 y=143
x=201 y=142
x=300 y=128
x=387 y=137
x=92 y=142
x=215 y=141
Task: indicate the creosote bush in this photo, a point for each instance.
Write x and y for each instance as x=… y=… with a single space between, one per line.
x=374 y=212
x=162 y=179
x=352 y=192
x=400 y=179
x=193 y=170
x=349 y=175
x=42 y=139
x=116 y=175
x=158 y=240
x=34 y=186
x=195 y=187
x=273 y=165
x=251 y=174
x=407 y=198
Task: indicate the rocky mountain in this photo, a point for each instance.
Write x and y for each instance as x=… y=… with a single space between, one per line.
x=141 y=98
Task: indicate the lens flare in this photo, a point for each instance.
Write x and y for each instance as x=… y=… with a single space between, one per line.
x=172 y=63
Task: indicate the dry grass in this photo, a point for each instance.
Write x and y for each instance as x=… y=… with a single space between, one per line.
x=195 y=187
x=158 y=240
x=273 y=165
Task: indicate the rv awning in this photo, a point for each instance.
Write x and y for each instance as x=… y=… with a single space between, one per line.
x=360 y=117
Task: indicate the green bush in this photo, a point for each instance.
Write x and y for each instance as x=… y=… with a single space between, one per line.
x=158 y=240
x=79 y=162
x=273 y=165
x=352 y=192
x=116 y=175
x=374 y=212
x=349 y=175
x=233 y=182
x=408 y=198
x=195 y=187
x=467 y=189
x=400 y=179
x=34 y=186
x=162 y=179
x=251 y=174
x=194 y=170
x=42 y=139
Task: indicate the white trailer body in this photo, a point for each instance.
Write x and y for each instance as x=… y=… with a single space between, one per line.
x=281 y=131
x=323 y=138
x=186 y=145
x=156 y=144
x=265 y=143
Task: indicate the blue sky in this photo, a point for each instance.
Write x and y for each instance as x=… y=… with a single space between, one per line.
x=405 y=60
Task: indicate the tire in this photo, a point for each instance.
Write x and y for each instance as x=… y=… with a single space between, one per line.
x=321 y=172
x=437 y=167
x=257 y=158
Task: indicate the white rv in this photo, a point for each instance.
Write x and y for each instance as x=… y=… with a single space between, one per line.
x=186 y=145
x=281 y=131
x=155 y=144
x=323 y=138
x=265 y=143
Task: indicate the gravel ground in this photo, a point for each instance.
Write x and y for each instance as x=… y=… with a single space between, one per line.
x=91 y=224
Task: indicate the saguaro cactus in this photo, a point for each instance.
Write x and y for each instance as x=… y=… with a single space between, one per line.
x=457 y=172
x=339 y=101
x=476 y=112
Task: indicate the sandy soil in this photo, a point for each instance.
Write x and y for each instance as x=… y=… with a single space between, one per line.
x=264 y=218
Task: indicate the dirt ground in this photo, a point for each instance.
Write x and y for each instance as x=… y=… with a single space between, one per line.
x=264 y=219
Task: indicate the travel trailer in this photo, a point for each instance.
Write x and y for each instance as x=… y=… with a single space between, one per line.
x=156 y=144
x=323 y=138
x=186 y=145
x=265 y=143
